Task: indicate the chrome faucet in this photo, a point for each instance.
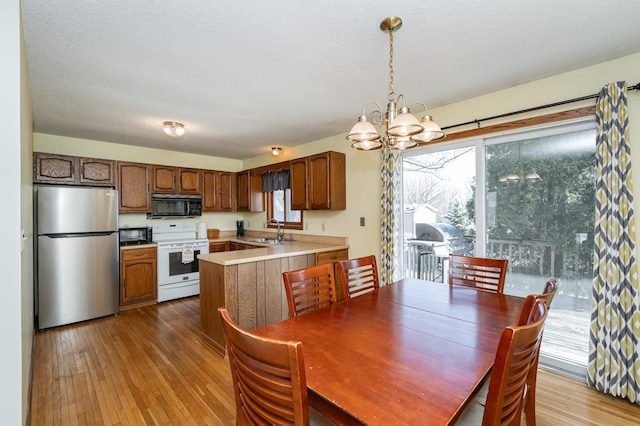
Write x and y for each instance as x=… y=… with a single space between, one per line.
x=280 y=234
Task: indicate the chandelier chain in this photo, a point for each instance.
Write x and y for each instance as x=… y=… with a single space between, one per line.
x=392 y=94
x=403 y=129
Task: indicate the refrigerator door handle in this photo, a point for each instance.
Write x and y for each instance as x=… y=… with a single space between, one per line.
x=84 y=234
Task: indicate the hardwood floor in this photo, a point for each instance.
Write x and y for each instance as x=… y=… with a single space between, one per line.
x=150 y=366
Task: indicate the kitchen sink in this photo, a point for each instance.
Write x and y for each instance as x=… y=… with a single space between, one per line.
x=262 y=240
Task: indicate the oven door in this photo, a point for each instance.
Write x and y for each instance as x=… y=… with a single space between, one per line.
x=171 y=270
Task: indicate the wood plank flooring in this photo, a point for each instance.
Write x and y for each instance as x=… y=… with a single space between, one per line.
x=149 y=366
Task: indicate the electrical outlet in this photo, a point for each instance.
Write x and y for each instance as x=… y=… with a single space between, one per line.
x=362 y=221
x=323 y=227
x=306 y=226
x=248 y=224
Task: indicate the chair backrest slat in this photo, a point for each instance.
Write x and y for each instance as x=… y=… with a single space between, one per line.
x=309 y=288
x=359 y=276
x=478 y=272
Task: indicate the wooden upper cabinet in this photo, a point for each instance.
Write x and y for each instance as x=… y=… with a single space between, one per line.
x=66 y=169
x=218 y=191
x=52 y=168
x=250 y=196
x=164 y=179
x=133 y=187
x=318 y=182
x=97 y=172
x=189 y=181
x=176 y=180
x=226 y=191
x=299 y=183
x=208 y=191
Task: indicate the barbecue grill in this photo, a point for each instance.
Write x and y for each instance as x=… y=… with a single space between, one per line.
x=454 y=240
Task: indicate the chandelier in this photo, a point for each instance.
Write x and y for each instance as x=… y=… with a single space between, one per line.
x=403 y=130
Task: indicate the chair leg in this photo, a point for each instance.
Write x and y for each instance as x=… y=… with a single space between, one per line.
x=530 y=406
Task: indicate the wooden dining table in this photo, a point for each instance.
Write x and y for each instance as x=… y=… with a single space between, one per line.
x=411 y=353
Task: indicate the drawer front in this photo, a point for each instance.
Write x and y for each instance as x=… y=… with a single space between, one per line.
x=137 y=254
x=332 y=256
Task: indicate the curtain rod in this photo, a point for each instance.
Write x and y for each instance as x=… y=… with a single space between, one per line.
x=568 y=101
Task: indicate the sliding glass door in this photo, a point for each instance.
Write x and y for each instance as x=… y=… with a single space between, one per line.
x=528 y=197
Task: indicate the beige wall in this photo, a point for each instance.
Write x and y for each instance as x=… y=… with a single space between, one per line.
x=363 y=168
x=16 y=334
x=26 y=220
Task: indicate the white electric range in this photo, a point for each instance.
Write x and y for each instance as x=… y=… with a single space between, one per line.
x=178 y=250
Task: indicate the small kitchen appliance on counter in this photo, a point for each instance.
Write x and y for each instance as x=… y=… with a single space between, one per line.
x=135 y=236
x=240 y=228
x=178 y=250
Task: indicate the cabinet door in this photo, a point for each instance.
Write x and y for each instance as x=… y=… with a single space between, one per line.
x=97 y=172
x=189 y=181
x=333 y=257
x=326 y=188
x=299 y=182
x=250 y=196
x=209 y=191
x=133 y=187
x=225 y=191
x=53 y=168
x=319 y=182
x=138 y=276
x=164 y=179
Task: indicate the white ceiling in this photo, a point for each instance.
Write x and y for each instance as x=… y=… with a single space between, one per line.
x=247 y=75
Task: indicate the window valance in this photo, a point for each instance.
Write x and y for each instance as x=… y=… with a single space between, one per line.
x=275 y=180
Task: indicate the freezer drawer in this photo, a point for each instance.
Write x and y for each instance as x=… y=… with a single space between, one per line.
x=78 y=278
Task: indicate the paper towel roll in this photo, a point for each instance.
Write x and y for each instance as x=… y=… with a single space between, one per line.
x=202 y=230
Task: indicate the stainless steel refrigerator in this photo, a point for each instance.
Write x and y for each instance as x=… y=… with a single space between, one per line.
x=77 y=274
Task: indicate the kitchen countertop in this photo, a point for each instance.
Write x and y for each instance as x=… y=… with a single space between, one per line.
x=138 y=246
x=264 y=251
x=269 y=251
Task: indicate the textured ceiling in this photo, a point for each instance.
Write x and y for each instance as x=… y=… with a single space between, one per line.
x=246 y=75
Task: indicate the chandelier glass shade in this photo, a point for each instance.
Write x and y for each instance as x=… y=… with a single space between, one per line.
x=402 y=128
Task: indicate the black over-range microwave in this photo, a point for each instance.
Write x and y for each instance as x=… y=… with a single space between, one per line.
x=175 y=205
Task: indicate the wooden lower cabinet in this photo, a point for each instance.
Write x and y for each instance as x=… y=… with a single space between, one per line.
x=233 y=245
x=333 y=257
x=138 y=277
x=252 y=292
x=218 y=246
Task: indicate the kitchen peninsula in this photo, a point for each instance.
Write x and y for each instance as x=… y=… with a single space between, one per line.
x=249 y=282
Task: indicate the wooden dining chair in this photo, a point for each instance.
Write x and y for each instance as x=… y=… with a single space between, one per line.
x=478 y=272
x=359 y=276
x=309 y=288
x=547 y=295
x=515 y=356
x=268 y=376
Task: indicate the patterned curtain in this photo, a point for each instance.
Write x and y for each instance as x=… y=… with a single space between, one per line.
x=614 y=337
x=390 y=203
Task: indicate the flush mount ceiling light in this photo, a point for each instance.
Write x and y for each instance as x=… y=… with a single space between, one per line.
x=174 y=129
x=275 y=150
x=403 y=130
